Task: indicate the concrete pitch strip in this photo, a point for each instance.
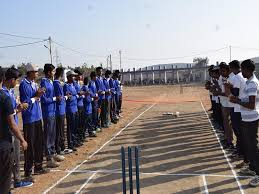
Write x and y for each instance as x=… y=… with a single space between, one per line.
x=177 y=155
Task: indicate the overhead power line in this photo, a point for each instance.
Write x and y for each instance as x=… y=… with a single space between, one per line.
x=24 y=44
x=20 y=36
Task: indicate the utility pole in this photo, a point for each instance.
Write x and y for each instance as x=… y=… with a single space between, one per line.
x=120 y=59
x=111 y=62
x=230 y=53
x=108 y=61
x=50 y=50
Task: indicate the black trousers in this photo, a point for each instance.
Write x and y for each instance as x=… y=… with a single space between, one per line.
x=33 y=134
x=249 y=134
x=113 y=108
x=6 y=166
x=89 y=123
x=60 y=133
x=80 y=121
x=120 y=103
x=71 y=129
x=236 y=125
x=218 y=112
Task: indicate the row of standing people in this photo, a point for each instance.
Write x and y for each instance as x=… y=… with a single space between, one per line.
x=234 y=93
x=86 y=108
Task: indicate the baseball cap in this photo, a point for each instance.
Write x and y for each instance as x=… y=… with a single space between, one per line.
x=71 y=72
x=31 y=67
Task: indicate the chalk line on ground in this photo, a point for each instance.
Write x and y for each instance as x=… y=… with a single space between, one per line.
x=227 y=159
x=204 y=185
x=86 y=182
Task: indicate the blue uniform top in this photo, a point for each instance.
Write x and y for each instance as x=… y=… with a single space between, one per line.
x=28 y=91
x=100 y=87
x=71 y=104
x=10 y=93
x=60 y=105
x=107 y=87
x=93 y=90
x=80 y=102
x=87 y=100
x=117 y=87
x=48 y=99
x=112 y=86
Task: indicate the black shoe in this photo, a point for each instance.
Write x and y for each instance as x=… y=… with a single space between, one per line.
x=41 y=171
x=72 y=148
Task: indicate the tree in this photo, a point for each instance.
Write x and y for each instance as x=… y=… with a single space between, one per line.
x=201 y=62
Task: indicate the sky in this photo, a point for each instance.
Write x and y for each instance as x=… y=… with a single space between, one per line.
x=147 y=32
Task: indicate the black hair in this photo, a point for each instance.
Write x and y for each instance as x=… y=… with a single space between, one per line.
x=59 y=72
x=98 y=68
x=48 y=67
x=1 y=74
x=248 y=65
x=223 y=65
x=12 y=73
x=86 y=80
x=115 y=75
x=78 y=72
x=108 y=72
x=234 y=64
x=92 y=74
x=211 y=67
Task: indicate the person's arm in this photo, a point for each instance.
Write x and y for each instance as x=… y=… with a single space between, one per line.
x=14 y=128
x=44 y=98
x=8 y=108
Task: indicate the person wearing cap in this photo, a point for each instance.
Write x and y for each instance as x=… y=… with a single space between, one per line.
x=71 y=110
x=48 y=106
x=60 y=112
x=101 y=93
x=107 y=100
x=94 y=95
x=11 y=77
x=32 y=124
x=88 y=109
x=8 y=127
x=80 y=106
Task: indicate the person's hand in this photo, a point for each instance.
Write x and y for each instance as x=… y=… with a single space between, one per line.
x=69 y=95
x=233 y=99
x=24 y=145
x=59 y=98
x=23 y=106
x=40 y=92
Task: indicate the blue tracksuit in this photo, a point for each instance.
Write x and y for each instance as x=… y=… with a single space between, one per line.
x=10 y=93
x=107 y=87
x=100 y=87
x=93 y=93
x=48 y=99
x=28 y=91
x=60 y=105
x=71 y=110
x=87 y=101
x=80 y=102
x=71 y=104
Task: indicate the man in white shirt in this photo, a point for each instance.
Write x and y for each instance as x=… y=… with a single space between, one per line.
x=226 y=106
x=235 y=87
x=249 y=106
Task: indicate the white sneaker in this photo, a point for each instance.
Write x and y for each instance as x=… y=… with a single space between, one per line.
x=58 y=158
x=52 y=164
x=68 y=151
x=246 y=171
x=254 y=182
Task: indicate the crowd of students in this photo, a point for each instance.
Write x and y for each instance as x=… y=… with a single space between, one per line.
x=87 y=105
x=234 y=93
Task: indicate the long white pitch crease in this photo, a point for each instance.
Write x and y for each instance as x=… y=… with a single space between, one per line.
x=74 y=169
x=227 y=159
x=103 y=171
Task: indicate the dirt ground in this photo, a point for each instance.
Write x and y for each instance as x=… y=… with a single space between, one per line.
x=178 y=155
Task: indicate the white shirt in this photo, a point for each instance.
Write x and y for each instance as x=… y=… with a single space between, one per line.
x=223 y=99
x=230 y=79
x=239 y=82
x=251 y=89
